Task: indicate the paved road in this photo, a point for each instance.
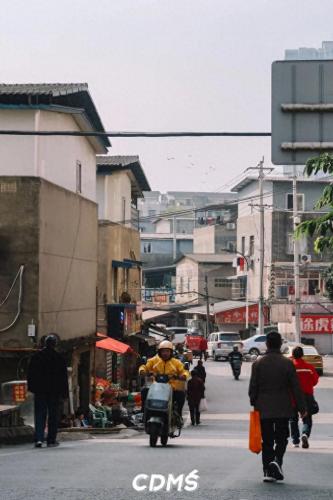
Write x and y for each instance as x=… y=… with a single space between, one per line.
x=104 y=468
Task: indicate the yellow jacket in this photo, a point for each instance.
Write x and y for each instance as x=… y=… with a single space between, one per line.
x=173 y=366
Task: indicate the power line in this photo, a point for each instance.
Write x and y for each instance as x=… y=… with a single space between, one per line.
x=128 y=134
x=206 y=208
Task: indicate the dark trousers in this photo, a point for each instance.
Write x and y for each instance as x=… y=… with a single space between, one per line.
x=275 y=433
x=46 y=407
x=195 y=413
x=144 y=392
x=179 y=398
x=294 y=429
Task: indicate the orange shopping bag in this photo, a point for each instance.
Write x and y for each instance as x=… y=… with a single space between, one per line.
x=255 y=432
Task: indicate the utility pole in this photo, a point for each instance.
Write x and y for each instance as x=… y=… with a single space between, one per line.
x=207 y=307
x=174 y=237
x=261 y=248
x=296 y=261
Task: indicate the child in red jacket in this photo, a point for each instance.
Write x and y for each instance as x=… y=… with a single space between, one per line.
x=308 y=378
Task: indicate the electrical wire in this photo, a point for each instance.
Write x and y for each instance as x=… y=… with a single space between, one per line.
x=19 y=300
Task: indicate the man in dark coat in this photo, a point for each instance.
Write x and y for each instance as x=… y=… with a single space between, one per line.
x=195 y=392
x=201 y=370
x=275 y=391
x=47 y=380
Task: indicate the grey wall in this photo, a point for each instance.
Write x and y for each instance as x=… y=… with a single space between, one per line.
x=19 y=244
x=311 y=190
x=53 y=232
x=162 y=251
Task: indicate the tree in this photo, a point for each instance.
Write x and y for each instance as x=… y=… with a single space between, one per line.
x=321 y=227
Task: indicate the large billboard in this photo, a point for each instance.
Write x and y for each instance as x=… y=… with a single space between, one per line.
x=302 y=110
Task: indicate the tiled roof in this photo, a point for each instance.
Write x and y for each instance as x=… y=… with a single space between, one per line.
x=108 y=164
x=209 y=258
x=70 y=95
x=54 y=89
x=116 y=161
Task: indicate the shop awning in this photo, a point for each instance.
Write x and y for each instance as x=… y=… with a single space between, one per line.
x=114 y=345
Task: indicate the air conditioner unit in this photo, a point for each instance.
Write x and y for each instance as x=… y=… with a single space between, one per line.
x=305 y=258
x=231 y=225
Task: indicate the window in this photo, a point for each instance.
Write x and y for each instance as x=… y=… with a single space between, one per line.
x=262 y=338
x=302 y=244
x=290 y=244
x=243 y=245
x=151 y=213
x=222 y=283
x=181 y=285
x=229 y=337
x=78 y=177
x=147 y=248
x=251 y=245
x=123 y=209
x=231 y=246
x=300 y=202
x=115 y=283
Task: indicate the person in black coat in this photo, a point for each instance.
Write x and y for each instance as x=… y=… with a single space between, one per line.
x=47 y=380
x=275 y=392
x=201 y=370
x=195 y=392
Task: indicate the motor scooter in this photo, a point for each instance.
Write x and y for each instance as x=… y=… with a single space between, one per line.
x=236 y=368
x=161 y=418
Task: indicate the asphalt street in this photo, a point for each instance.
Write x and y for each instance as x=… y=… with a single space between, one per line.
x=104 y=467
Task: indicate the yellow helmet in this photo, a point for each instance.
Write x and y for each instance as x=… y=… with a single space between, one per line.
x=166 y=344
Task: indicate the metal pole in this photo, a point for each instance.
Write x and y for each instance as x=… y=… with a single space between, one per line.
x=207 y=307
x=174 y=239
x=247 y=297
x=296 y=263
x=261 y=248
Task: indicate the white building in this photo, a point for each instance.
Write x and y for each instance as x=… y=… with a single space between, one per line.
x=67 y=161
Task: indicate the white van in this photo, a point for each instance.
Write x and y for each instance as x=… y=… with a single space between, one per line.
x=220 y=344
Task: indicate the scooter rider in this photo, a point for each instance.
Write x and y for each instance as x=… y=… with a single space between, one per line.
x=235 y=358
x=165 y=364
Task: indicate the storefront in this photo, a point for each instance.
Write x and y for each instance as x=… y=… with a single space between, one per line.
x=317 y=329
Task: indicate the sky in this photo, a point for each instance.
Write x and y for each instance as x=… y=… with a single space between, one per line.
x=167 y=65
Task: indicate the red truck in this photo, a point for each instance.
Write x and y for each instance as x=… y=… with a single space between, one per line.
x=195 y=344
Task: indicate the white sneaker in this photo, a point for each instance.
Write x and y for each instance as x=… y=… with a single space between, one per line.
x=296 y=445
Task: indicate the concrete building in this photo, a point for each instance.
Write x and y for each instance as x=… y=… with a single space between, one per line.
x=120 y=183
x=167 y=225
x=167 y=222
x=191 y=270
x=278 y=242
x=309 y=53
x=48 y=217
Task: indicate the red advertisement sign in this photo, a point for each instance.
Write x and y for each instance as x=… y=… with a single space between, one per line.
x=314 y=323
x=238 y=316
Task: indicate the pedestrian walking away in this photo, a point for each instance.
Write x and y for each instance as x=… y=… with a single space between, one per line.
x=308 y=378
x=47 y=380
x=195 y=392
x=201 y=370
x=275 y=392
x=203 y=348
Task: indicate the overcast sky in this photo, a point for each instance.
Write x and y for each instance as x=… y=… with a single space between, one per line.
x=160 y=65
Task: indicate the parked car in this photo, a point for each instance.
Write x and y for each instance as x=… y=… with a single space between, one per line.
x=179 y=334
x=256 y=345
x=220 y=344
x=311 y=355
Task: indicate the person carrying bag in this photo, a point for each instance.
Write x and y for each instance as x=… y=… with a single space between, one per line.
x=308 y=378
